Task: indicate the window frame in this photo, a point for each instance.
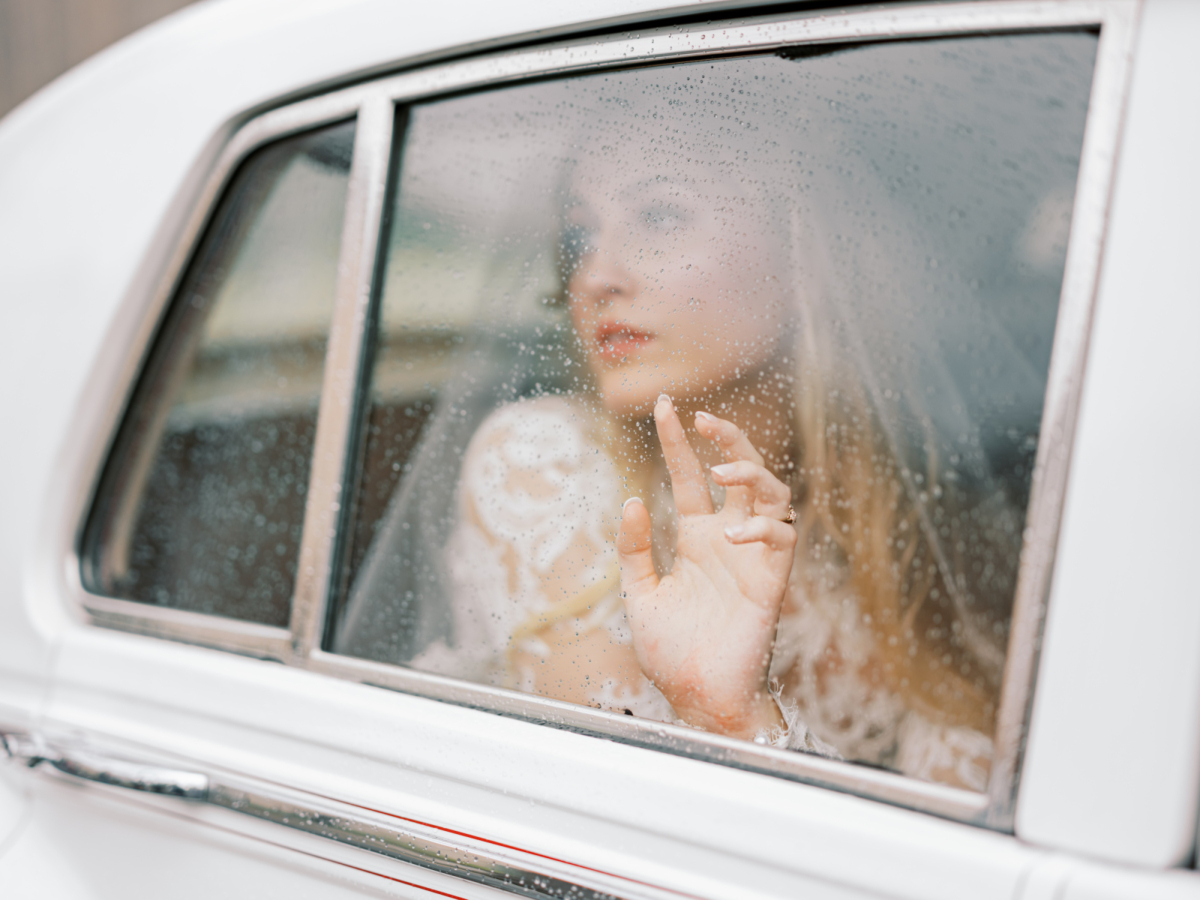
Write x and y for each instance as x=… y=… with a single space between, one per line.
x=375 y=105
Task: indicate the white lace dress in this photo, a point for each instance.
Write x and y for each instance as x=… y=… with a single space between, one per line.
x=536 y=606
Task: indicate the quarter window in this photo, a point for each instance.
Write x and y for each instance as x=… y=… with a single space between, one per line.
x=202 y=503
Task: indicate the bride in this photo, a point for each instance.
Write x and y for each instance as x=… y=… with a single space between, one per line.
x=751 y=509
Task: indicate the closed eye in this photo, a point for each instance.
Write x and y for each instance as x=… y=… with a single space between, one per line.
x=663 y=218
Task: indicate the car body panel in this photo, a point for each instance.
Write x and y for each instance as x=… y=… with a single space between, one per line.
x=1094 y=780
x=96 y=171
x=87 y=224
x=636 y=812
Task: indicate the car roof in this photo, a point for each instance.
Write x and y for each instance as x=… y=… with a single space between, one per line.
x=90 y=165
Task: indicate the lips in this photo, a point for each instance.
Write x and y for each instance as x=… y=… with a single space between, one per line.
x=616 y=340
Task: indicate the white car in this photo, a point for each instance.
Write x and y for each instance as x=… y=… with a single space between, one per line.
x=282 y=598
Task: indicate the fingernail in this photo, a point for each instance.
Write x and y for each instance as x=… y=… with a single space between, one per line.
x=723 y=469
x=733 y=532
x=631 y=500
x=662 y=397
x=707 y=417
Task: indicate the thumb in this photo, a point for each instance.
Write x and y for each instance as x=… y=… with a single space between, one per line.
x=638 y=577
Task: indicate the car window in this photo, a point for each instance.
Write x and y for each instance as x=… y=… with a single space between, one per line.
x=201 y=505
x=836 y=270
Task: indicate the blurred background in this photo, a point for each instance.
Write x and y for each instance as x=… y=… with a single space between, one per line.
x=41 y=39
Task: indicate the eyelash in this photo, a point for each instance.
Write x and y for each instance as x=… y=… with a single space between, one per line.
x=662 y=218
x=576 y=242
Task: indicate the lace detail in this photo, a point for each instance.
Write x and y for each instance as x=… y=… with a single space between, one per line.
x=943 y=753
x=795 y=734
x=538 y=507
x=821 y=651
x=536 y=485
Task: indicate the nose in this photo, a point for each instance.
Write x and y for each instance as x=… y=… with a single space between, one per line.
x=602 y=275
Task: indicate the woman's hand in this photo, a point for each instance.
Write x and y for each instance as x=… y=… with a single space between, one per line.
x=704 y=633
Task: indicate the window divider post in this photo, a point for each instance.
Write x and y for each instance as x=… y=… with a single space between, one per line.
x=344 y=358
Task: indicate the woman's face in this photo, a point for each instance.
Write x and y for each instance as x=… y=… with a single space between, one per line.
x=676 y=282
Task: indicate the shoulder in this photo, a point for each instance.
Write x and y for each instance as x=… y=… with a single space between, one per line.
x=535 y=482
x=553 y=425
x=539 y=455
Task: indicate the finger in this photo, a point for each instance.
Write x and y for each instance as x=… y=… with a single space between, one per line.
x=728 y=437
x=768 y=495
x=687 y=478
x=735 y=447
x=638 y=577
x=776 y=535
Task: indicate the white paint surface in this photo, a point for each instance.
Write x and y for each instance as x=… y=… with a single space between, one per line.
x=1111 y=764
x=88 y=171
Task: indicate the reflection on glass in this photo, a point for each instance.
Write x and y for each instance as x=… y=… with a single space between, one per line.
x=203 y=501
x=835 y=276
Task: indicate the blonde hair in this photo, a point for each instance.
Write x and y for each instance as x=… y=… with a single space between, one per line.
x=858 y=519
x=861 y=514
x=864 y=506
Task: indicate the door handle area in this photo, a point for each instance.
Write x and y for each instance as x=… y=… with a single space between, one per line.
x=104 y=769
x=530 y=875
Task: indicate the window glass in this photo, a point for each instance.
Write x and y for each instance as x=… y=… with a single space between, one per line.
x=202 y=503
x=835 y=271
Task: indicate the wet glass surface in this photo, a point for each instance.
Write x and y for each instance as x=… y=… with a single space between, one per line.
x=850 y=261
x=203 y=501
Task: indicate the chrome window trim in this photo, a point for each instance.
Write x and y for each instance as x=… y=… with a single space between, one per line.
x=336 y=415
x=876 y=784
x=1064 y=384
x=247 y=638
x=373 y=104
x=396 y=837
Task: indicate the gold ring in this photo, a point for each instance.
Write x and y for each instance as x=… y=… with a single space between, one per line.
x=790 y=518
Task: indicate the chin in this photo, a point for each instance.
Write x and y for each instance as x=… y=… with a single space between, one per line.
x=626 y=396
x=628 y=404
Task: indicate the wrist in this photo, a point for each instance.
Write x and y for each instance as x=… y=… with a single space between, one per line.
x=767 y=719
x=761 y=715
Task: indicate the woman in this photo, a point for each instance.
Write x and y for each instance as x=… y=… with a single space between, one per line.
x=543 y=478
x=757 y=501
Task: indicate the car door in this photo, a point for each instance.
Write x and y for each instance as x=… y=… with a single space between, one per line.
x=25 y=639
x=215 y=725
